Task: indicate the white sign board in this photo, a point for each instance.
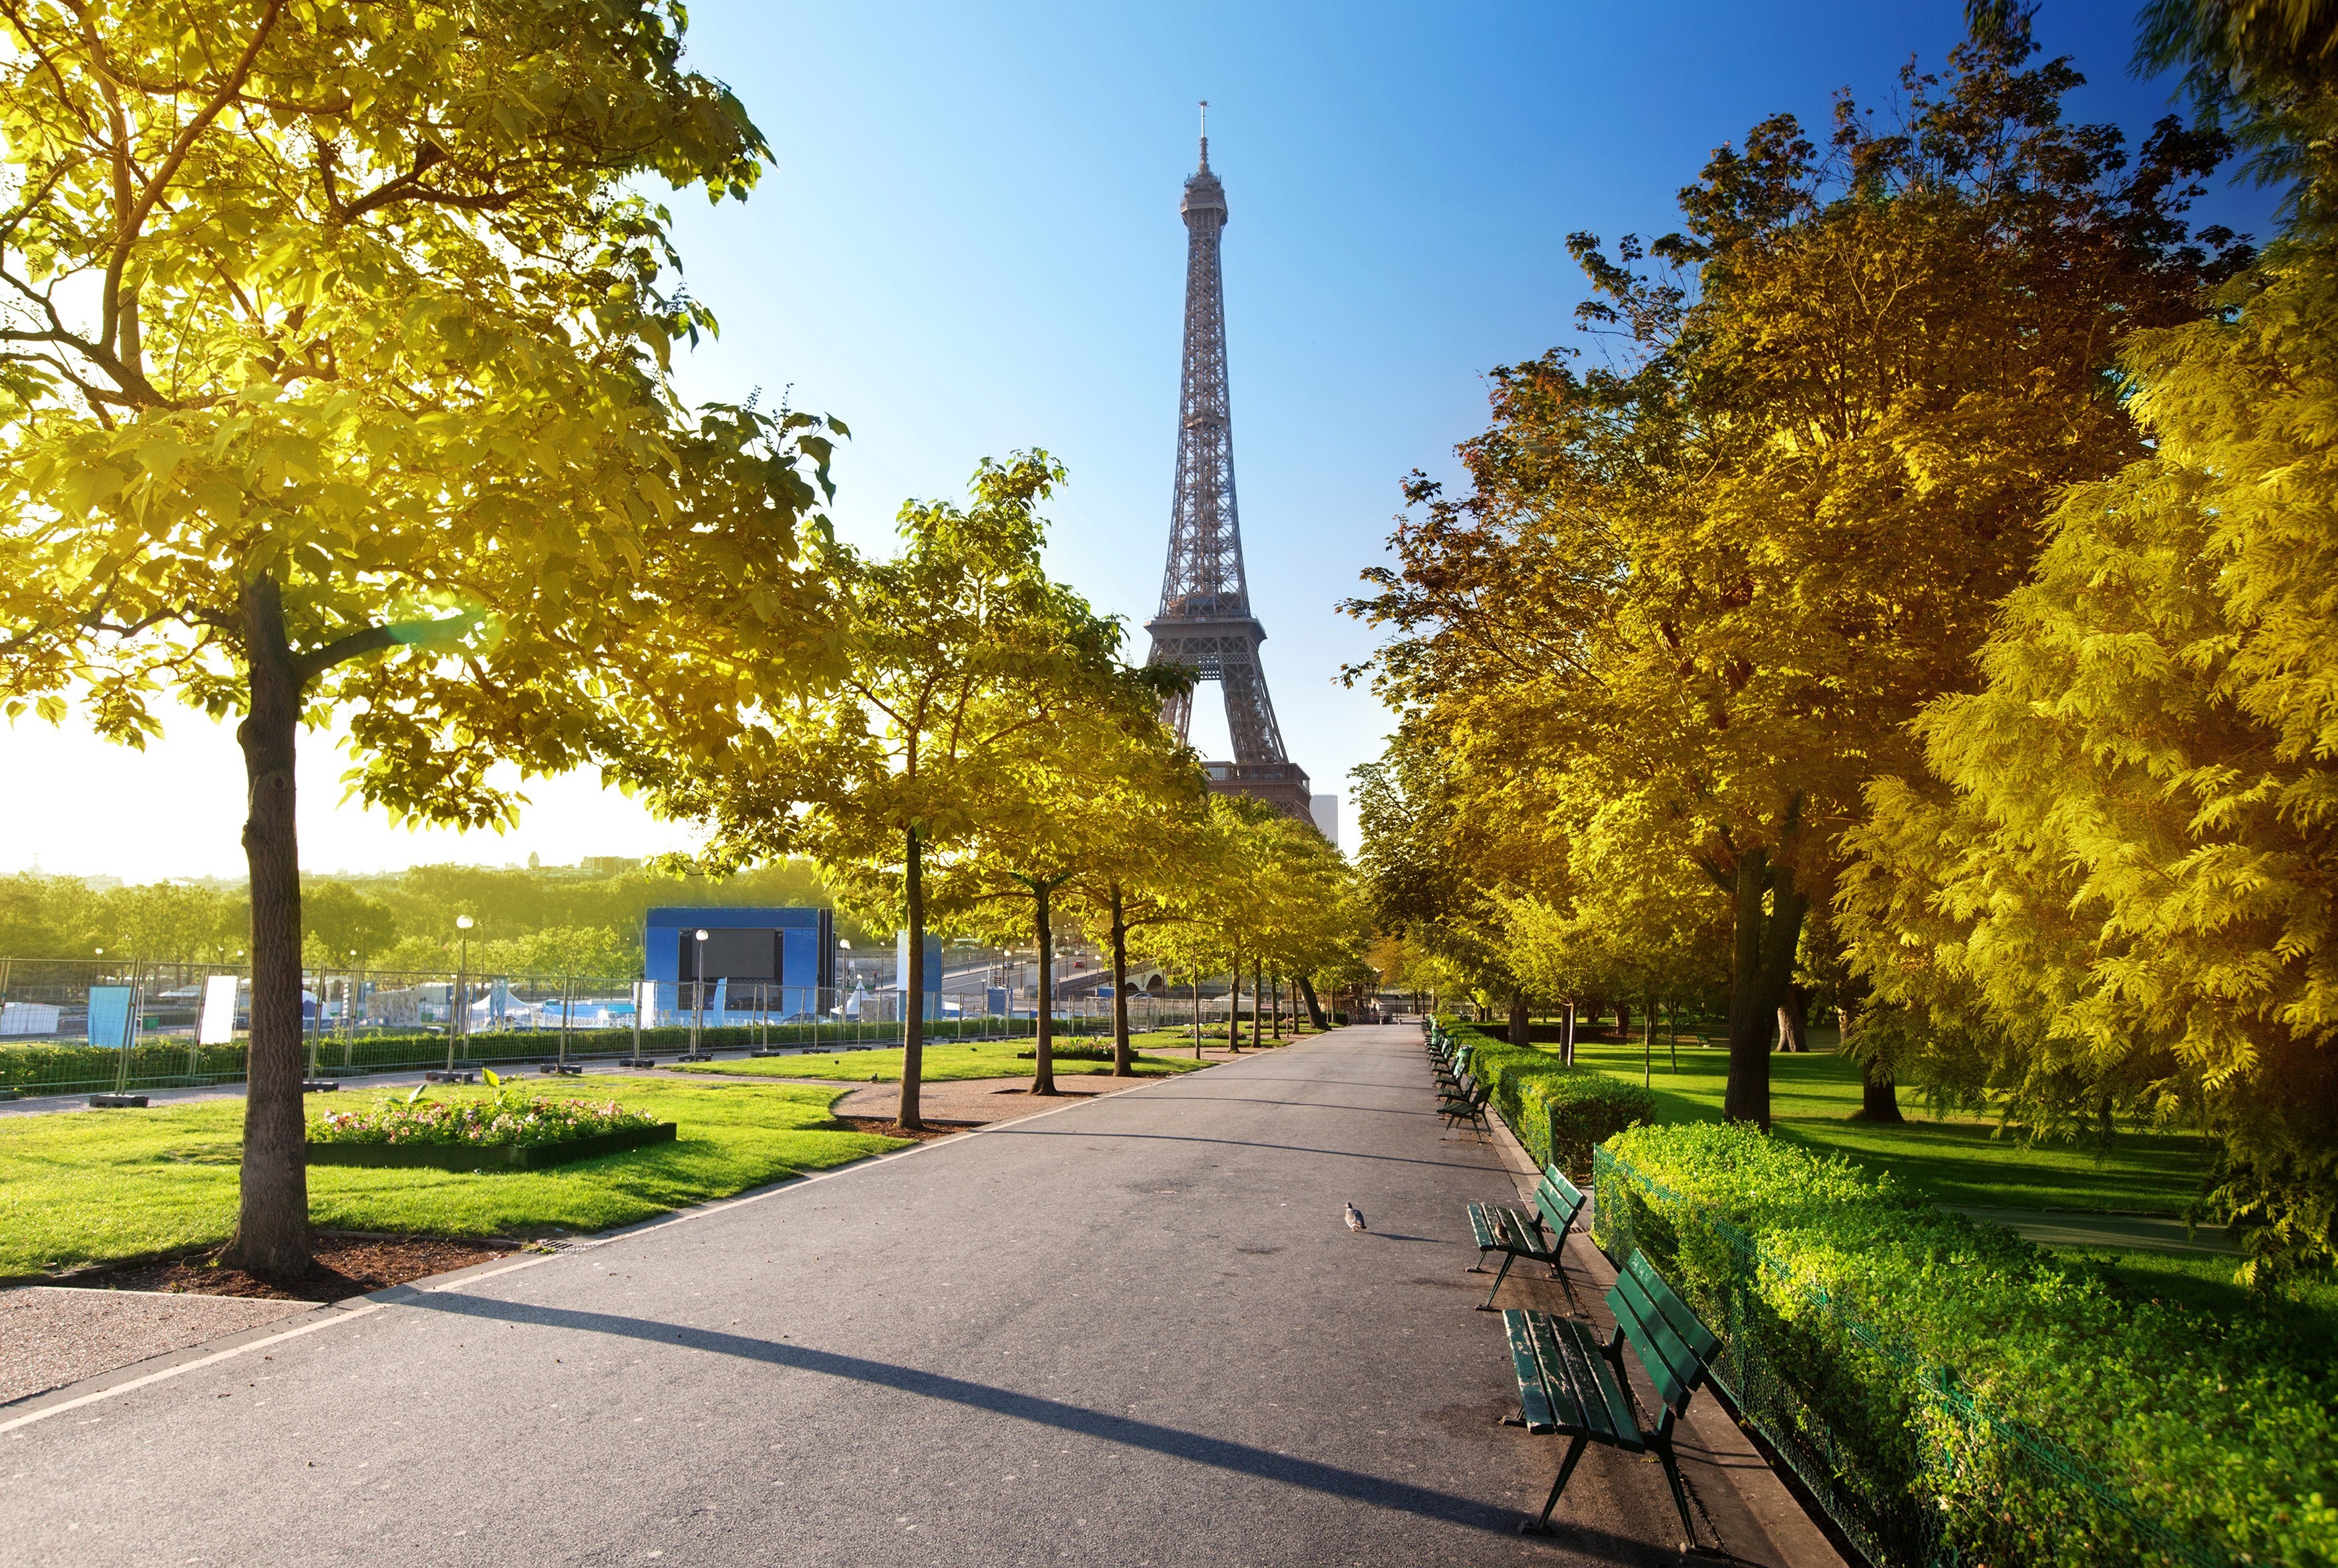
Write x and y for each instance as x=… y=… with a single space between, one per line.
x=215 y=1025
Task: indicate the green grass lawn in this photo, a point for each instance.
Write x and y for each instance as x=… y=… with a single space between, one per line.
x=88 y=1186
x=944 y=1060
x=1958 y=1162
x=1964 y=1163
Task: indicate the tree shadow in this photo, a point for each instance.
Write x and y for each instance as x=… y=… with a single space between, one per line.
x=1194 y=1447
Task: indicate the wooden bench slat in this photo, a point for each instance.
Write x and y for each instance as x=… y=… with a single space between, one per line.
x=1670 y=1366
x=1533 y=1400
x=1701 y=1339
x=1584 y=1394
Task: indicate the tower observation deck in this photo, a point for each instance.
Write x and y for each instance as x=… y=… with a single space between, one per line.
x=1204 y=620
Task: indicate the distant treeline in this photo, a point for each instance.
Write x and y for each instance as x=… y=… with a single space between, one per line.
x=531 y=920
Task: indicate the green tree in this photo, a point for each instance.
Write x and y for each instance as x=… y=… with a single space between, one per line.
x=344 y=924
x=961 y=661
x=1082 y=797
x=333 y=371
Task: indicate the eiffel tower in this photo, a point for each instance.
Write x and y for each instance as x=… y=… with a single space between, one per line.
x=1204 y=620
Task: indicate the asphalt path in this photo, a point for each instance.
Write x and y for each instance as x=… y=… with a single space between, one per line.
x=1131 y=1332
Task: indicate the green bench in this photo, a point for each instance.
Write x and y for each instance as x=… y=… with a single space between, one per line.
x=1571 y=1384
x=1450 y=1066
x=1466 y=1102
x=1537 y=1234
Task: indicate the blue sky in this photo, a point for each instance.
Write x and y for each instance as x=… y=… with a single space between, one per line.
x=970 y=244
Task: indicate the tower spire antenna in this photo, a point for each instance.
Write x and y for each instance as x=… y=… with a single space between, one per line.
x=1205 y=133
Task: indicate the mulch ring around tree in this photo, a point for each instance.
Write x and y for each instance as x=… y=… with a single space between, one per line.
x=885 y=1126
x=345 y=1266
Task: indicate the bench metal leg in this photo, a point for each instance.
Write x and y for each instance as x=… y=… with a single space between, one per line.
x=1541 y=1526
x=1507 y=1259
x=1680 y=1497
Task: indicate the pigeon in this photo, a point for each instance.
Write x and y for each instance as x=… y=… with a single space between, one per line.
x=1356 y=1219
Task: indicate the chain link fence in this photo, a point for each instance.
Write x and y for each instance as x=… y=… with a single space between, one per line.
x=74 y=1026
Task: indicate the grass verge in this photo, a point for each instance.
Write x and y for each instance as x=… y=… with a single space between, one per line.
x=1963 y=1161
x=944 y=1060
x=80 y=1186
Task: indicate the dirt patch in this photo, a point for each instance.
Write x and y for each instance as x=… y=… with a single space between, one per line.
x=1062 y=1093
x=345 y=1266
x=887 y=1127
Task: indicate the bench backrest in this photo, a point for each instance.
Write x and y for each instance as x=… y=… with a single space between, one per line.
x=1672 y=1347
x=1558 y=1199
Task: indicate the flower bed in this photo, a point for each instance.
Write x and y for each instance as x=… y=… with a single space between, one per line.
x=510 y=1118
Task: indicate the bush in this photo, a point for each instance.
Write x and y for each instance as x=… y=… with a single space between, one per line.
x=75 y=1067
x=513 y=1116
x=1559 y=1112
x=1928 y=1368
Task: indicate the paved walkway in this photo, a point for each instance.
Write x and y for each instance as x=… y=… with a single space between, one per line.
x=1130 y=1332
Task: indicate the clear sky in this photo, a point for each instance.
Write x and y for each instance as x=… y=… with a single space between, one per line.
x=970 y=244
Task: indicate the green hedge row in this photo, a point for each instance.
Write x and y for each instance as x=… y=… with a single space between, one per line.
x=79 y=1068
x=1559 y=1112
x=1973 y=1398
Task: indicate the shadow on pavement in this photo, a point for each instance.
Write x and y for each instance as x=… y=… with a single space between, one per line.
x=1011 y=1130
x=1193 y=1447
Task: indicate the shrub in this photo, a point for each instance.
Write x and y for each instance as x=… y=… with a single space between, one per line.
x=1963 y=1393
x=1559 y=1112
x=513 y=1116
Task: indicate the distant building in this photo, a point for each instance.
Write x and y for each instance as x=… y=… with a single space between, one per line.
x=779 y=959
x=608 y=865
x=1325 y=810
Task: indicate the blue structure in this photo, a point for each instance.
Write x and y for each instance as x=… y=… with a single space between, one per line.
x=757 y=960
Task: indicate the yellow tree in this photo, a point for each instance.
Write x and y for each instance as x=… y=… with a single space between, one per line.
x=2118 y=889
x=1775 y=535
x=332 y=346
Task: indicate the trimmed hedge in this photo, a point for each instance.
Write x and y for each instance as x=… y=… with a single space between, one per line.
x=165 y=1064
x=1966 y=1397
x=1559 y=1112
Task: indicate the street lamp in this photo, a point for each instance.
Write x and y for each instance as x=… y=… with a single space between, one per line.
x=462 y=984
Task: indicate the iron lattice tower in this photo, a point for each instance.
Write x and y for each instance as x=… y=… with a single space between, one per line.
x=1205 y=620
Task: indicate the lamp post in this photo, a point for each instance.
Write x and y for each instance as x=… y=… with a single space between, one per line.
x=697 y=996
x=459 y=1013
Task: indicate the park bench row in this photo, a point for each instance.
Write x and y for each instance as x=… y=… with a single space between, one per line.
x=1571 y=1382
x=1460 y=1096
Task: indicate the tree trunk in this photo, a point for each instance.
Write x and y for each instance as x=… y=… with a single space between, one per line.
x=1793 y=1019
x=1763 y=967
x=1623 y=1021
x=271 y=1227
x=1648 y=1044
x=1123 y=1063
x=1566 y=1044
x=1878 y=1095
x=1257 y=1002
x=1314 y=1008
x=913 y=1016
x=1043 y=1056
x=1196 y=988
x=1521 y=1021
x=1233 y=1005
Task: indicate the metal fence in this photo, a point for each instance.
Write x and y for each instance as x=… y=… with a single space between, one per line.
x=71 y=1026
x=1911 y=1491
